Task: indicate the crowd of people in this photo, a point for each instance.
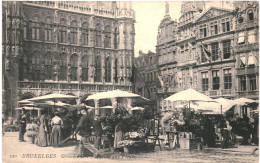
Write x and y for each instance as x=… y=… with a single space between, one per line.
x=51 y=130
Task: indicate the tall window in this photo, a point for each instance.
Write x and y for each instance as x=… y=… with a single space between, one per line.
x=226 y=49
x=98 y=74
x=36 y=66
x=215 y=77
x=98 y=35
x=74 y=67
x=73 y=32
x=203 y=32
x=25 y=30
x=116 y=69
x=48 y=32
x=242 y=83
x=84 y=63
x=214 y=51
x=214 y=29
x=48 y=66
x=250 y=15
x=63 y=66
x=203 y=57
x=115 y=40
x=225 y=27
x=107 y=40
x=108 y=69
x=84 y=34
x=63 y=31
x=205 y=81
x=35 y=31
x=227 y=79
x=252 y=82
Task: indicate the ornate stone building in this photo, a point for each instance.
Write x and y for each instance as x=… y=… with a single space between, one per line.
x=229 y=35
x=166 y=50
x=247 y=49
x=77 y=48
x=147 y=79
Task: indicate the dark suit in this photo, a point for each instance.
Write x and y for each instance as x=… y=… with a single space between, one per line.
x=22 y=126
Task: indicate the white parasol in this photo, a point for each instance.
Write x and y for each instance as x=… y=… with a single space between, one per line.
x=137 y=108
x=189 y=95
x=244 y=101
x=112 y=94
x=29 y=108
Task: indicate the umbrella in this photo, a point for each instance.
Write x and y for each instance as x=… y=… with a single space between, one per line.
x=111 y=94
x=53 y=96
x=137 y=108
x=24 y=101
x=189 y=95
x=244 y=101
x=56 y=104
x=28 y=108
x=106 y=107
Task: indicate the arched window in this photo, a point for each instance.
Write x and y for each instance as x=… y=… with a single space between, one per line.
x=36 y=66
x=35 y=29
x=84 y=62
x=98 y=69
x=108 y=70
x=48 y=62
x=98 y=35
x=73 y=32
x=48 y=30
x=84 y=34
x=116 y=69
x=74 y=67
x=63 y=31
x=107 y=41
x=63 y=66
x=250 y=15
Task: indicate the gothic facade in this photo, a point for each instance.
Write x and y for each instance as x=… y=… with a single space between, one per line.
x=77 y=48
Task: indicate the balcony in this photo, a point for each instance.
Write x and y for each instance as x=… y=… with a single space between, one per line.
x=219 y=93
x=80 y=87
x=167 y=90
x=248 y=70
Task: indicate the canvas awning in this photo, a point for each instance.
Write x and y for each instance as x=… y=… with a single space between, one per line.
x=251 y=60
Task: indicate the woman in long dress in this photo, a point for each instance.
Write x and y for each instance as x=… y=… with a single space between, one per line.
x=42 y=139
x=57 y=124
x=118 y=134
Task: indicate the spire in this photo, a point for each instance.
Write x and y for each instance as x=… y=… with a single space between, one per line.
x=166 y=9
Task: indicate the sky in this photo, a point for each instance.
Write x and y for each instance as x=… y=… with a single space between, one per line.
x=148 y=17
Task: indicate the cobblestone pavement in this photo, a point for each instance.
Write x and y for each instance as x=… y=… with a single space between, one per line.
x=23 y=152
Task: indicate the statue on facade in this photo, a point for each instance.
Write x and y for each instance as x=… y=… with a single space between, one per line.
x=7 y=65
x=80 y=73
x=56 y=70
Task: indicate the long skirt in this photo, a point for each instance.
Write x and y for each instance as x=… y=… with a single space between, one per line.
x=42 y=139
x=56 y=135
x=118 y=138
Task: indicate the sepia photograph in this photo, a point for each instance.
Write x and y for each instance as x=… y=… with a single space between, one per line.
x=130 y=81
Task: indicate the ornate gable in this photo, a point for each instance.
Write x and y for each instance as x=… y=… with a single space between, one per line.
x=213 y=12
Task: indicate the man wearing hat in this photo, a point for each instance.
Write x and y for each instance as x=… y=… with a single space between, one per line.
x=22 y=124
x=83 y=129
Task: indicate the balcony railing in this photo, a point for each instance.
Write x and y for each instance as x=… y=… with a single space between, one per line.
x=90 y=87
